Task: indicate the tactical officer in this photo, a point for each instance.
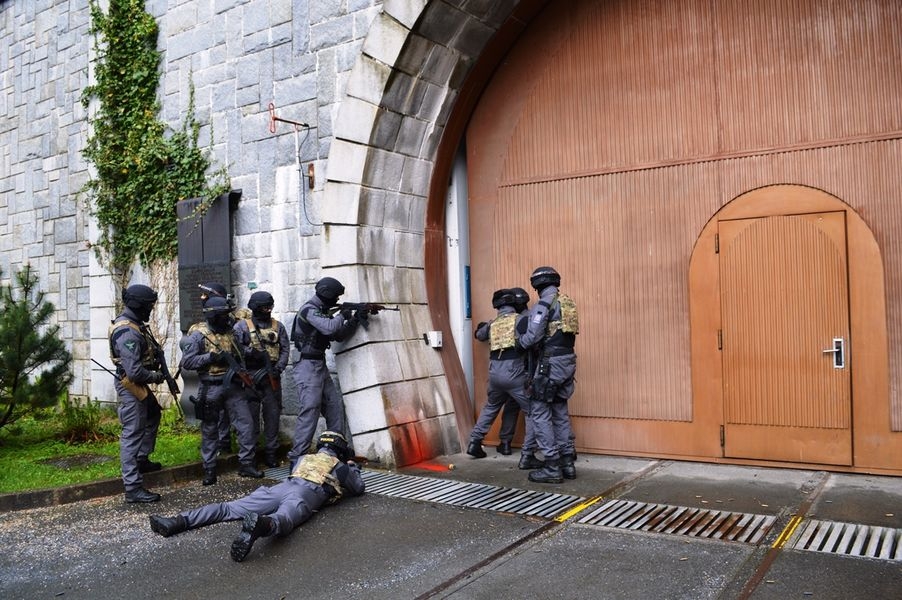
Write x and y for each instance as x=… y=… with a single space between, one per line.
x=507 y=372
x=209 y=290
x=318 y=479
x=315 y=327
x=136 y=355
x=551 y=337
x=266 y=341
x=212 y=350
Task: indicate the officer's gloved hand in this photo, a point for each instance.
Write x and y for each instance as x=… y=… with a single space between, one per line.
x=346 y=314
x=156 y=377
x=257 y=355
x=361 y=314
x=218 y=358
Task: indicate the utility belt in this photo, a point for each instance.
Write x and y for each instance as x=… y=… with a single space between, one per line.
x=507 y=354
x=557 y=350
x=313 y=356
x=211 y=380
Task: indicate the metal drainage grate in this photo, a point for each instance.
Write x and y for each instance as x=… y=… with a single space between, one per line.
x=850 y=539
x=458 y=493
x=470 y=495
x=681 y=520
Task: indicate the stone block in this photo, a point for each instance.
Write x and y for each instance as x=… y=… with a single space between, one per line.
x=416 y=176
x=408 y=247
x=419 y=360
x=367 y=79
x=346 y=162
x=355 y=120
x=385 y=39
x=405 y=11
x=365 y=410
x=369 y=365
x=383 y=169
x=375 y=445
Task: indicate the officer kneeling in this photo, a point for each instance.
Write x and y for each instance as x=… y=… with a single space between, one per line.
x=320 y=478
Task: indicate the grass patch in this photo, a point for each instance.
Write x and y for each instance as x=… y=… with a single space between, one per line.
x=35 y=453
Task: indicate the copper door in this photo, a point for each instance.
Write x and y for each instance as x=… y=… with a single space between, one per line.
x=785 y=338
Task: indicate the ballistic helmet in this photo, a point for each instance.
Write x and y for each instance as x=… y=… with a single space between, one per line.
x=542 y=277
x=216 y=306
x=329 y=289
x=502 y=298
x=336 y=442
x=261 y=302
x=521 y=298
x=140 y=299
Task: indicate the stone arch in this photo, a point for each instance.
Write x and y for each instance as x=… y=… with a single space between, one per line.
x=401 y=119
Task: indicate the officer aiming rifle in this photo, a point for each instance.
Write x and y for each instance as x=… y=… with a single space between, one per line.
x=362 y=310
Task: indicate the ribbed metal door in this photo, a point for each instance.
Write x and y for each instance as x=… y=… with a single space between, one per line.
x=785 y=338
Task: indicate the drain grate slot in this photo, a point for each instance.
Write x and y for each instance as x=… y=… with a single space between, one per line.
x=681 y=520
x=469 y=495
x=850 y=539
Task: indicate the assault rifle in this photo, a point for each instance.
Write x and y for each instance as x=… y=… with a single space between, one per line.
x=164 y=368
x=274 y=381
x=363 y=310
x=237 y=369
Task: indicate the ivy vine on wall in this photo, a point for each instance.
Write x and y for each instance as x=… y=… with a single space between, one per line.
x=143 y=168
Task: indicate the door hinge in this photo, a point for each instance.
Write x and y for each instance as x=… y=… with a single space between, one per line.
x=722 y=437
x=720 y=339
x=716 y=243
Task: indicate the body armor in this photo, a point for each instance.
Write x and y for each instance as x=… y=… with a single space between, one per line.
x=502 y=332
x=148 y=358
x=224 y=341
x=265 y=339
x=569 y=321
x=317 y=468
x=305 y=336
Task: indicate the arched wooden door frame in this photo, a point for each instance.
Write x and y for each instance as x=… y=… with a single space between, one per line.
x=874 y=444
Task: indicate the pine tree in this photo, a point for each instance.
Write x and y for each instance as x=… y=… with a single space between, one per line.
x=35 y=366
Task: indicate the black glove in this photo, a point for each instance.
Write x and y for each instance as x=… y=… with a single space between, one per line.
x=346 y=314
x=156 y=377
x=218 y=358
x=361 y=314
x=257 y=355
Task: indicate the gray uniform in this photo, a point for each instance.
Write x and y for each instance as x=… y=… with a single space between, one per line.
x=269 y=396
x=289 y=503
x=140 y=419
x=218 y=391
x=507 y=382
x=313 y=332
x=550 y=416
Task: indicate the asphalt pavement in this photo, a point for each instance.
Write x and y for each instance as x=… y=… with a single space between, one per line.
x=624 y=528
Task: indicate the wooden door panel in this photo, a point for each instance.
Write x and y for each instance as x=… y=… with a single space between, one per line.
x=784 y=297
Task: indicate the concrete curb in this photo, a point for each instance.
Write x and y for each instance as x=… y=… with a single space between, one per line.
x=106 y=487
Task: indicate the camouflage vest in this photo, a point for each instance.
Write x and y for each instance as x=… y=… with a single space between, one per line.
x=148 y=359
x=569 y=321
x=317 y=468
x=502 y=332
x=225 y=341
x=265 y=339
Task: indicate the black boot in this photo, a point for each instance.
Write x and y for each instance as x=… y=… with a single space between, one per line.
x=271 y=461
x=550 y=473
x=528 y=462
x=568 y=466
x=249 y=471
x=475 y=449
x=504 y=448
x=209 y=477
x=253 y=527
x=140 y=495
x=167 y=526
x=145 y=465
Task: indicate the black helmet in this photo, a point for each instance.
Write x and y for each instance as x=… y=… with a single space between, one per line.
x=502 y=298
x=214 y=289
x=542 y=277
x=216 y=306
x=329 y=289
x=336 y=442
x=261 y=302
x=521 y=298
x=140 y=299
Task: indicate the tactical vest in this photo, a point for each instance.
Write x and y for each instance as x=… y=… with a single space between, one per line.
x=305 y=336
x=265 y=338
x=148 y=359
x=317 y=468
x=569 y=321
x=225 y=341
x=502 y=332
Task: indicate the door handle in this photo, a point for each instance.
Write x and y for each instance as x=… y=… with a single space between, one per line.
x=839 y=353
